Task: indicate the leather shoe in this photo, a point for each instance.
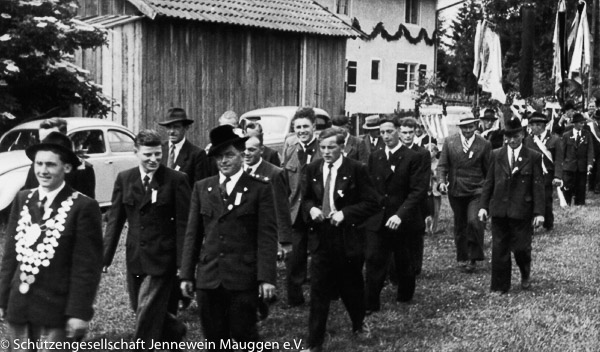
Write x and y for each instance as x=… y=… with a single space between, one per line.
x=525 y=284
x=470 y=267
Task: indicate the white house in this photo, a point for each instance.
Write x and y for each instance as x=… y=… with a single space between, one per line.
x=382 y=72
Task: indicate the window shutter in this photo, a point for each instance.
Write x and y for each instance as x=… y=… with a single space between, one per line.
x=422 y=72
x=401 y=77
x=351 y=83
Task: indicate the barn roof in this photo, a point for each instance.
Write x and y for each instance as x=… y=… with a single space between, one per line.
x=303 y=16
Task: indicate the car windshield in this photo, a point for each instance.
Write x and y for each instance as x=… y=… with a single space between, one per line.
x=19 y=140
x=272 y=125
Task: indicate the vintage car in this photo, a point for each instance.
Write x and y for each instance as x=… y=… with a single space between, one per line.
x=109 y=147
x=277 y=123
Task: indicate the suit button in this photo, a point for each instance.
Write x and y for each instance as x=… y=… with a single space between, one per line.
x=221 y=237
x=143 y=243
x=382 y=207
x=221 y=255
x=142 y=227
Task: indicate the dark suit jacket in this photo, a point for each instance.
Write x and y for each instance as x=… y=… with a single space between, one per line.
x=293 y=172
x=355 y=149
x=594 y=131
x=156 y=230
x=465 y=175
x=233 y=243
x=82 y=179
x=426 y=140
x=353 y=195
x=516 y=193
x=275 y=176
x=495 y=137
x=554 y=145
x=67 y=287
x=368 y=148
x=577 y=157
x=191 y=160
x=401 y=191
x=271 y=156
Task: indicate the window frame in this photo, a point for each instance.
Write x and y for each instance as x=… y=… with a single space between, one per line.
x=379 y=66
x=346 y=7
x=412 y=12
x=351 y=85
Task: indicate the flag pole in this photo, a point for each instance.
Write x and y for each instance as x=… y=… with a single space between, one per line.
x=592 y=48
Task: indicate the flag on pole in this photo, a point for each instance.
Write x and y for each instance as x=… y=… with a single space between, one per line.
x=560 y=61
x=487 y=66
x=581 y=58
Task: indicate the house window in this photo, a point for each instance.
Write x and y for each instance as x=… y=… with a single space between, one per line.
x=351 y=81
x=341 y=7
x=408 y=76
x=411 y=11
x=375 y=68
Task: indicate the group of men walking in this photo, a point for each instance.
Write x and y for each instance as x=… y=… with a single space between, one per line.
x=213 y=222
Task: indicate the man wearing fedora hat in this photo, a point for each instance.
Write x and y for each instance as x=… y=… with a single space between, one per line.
x=513 y=195
x=353 y=148
x=154 y=200
x=230 y=246
x=578 y=160
x=594 y=128
x=179 y=153
x=489 y=131
x=550 y=146
x=52 y=259
x=371 y=141
x=463 y=167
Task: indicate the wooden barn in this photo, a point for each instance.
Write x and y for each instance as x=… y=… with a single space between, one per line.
x=209 y=56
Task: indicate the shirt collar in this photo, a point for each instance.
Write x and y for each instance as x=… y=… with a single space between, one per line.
x=336 y=164
x=255 y=166
x=305 y=146
x=516 y=151
x=392 y=151
x=143 y=173
x=179 y=144
x=470 y=140
x=50 y=195
x=234 y=178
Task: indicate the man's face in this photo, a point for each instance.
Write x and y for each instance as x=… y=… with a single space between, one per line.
x=253 y=151
x=407 y=135
x=537 y=128
x=149 y=157
x=229 y=160
x=176 y=131
x=487 y=124
x=232 y=121
x=389 y=134
x=330 y=150
x=514 y=140
x=44 y=132
x=418 y=131
x=592 y=107
x=304 y=129
x=374 y=133
x=252 y=132
x=578 y=125
x=468 y=130
x=50 y=170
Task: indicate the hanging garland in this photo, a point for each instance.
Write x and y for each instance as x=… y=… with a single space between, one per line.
x=402 y=32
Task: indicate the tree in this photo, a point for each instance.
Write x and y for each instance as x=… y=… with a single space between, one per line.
x=37 y=75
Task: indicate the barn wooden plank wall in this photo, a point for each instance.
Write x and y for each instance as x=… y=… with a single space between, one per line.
x=208 y=69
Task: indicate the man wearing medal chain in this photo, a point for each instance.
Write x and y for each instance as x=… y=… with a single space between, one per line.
x=53 y=253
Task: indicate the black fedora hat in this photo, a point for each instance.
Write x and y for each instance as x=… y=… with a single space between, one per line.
x=176 y=115
x=513 y=126
x=55 y=140
x=538 y=117
x=578 y=117
x=224 y=136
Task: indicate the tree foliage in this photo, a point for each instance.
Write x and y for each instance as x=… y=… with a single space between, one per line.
x=38 y=77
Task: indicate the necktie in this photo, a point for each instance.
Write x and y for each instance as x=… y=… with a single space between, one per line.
x=326 y=200
x=512 y=158
x=171 y=161
x=223 y=188
x=465 y=144
x=302 y=155
x=146 y=183
x=249 y=171
x=42 y=204
x=577 y=137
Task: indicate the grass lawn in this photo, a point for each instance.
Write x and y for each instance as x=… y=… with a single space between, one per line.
x=451 y=311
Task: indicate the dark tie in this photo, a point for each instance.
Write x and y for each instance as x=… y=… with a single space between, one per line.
x=512 y=158
x=146 y=183
x=249 y=171
x=302 y=156
x=42 y=204
x=223 y=188
x=326 y=200
x=171 y=161
x=577 y=138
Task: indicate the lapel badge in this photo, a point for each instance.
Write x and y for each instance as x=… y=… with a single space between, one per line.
x=344 y=178
x=341 y=193
x=230 y=206
x=238 y=198
x=520 y=159
x=210 y=189
x=245 y=189
x=515 y=170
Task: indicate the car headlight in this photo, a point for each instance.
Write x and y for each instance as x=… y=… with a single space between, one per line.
x=10 y=184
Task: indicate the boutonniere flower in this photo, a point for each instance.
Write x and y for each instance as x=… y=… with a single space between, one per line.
x=210 y=189
x=314 y=180
x=520 y=159
x=515 y=170
x=238 y=198
x=245 y=189
x=341 y=193
x=344 y=178
x=230 y=206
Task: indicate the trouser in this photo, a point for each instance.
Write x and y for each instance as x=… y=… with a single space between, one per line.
x=468 y=230
x=35 y=338
x=594 y=181
x=403 y=244
x=510 y=235
x=297 y=263
x=334 y=272
x=149 y=296
x=548 y=212
x=574 y=184
x=228 y=315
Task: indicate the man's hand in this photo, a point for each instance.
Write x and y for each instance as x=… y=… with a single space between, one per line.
x=266 y=291
x=337 y=218
x=187 y=288
x=393 y=222
x=589 y=169
x=482 y=215
x=443 y=188
x=557 y=182
x=538 y=221
x=76 y=328
x=316 y=214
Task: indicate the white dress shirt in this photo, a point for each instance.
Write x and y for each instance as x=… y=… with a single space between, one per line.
x=233 y=180
x=334 y=170
x=254 y=167
x=178 y=147
x=516 y=152
x=49 y=195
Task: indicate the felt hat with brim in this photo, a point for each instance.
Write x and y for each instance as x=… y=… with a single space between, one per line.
x=467 y=119
x=537 y=117
x=577 y=117
x=512 y=126
x=371 y=122
x=177 y=116
x=488 y=117
x=55 y=141
x=223 y=136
